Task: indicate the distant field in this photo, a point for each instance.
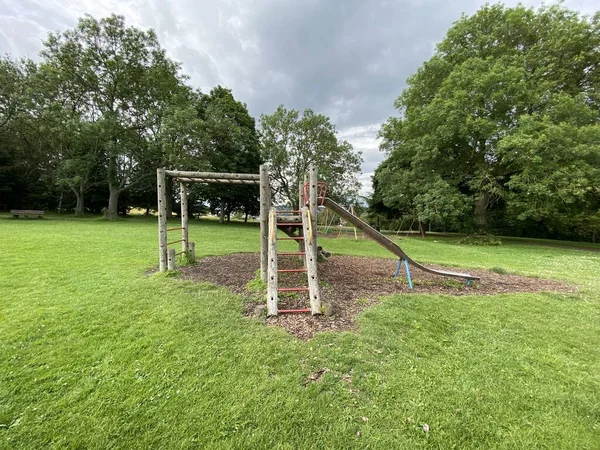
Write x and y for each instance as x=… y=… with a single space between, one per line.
x=97 y=354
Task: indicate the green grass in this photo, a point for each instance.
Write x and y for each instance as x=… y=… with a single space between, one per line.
x=96 y=354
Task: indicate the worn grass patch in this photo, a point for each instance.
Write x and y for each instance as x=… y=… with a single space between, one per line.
x=97 y=355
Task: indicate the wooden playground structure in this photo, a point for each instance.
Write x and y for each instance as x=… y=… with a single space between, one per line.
x=299 y=226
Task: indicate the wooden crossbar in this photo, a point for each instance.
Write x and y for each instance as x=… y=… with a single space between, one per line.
x=296 y=289
x=217 y=180
x=173 y=229
x=213 y=175
x=174 y=242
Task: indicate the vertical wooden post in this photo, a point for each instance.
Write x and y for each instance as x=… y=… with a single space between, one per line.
x=272 y=280
x=184 y=216
x=353 y=212
x=313 y=179
x=192 y=247
x=301 y=243
x=161 y=181
x=310 y=233
x=171 y=259
x=265 y=206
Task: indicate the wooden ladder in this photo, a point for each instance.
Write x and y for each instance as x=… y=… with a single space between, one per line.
x=299 y=220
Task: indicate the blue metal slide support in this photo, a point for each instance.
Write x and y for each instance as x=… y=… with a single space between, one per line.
x=400 y=261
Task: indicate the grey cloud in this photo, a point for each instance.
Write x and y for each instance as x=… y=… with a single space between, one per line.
x=358 y=51
x=201 y=65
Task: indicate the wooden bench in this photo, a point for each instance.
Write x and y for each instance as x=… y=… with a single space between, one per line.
x=26 y=212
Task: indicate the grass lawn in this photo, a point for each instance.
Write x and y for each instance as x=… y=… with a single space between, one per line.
x=95 y=354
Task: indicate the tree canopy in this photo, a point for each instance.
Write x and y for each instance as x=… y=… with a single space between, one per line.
x=101 y=111
x=292 y=141
x=500 y=127
x=119 y=79
x=231 y=145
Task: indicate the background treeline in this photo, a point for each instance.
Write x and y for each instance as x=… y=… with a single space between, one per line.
x=500 y=129
x=86 y=128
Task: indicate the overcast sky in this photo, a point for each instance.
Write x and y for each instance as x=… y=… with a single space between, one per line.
x=348 y=59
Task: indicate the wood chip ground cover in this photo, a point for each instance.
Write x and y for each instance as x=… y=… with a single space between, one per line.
x=350 y=284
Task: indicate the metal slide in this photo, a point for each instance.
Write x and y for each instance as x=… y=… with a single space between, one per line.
x=387 y=242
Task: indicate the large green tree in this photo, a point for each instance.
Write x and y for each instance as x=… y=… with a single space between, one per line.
x=482 y=103
x=230 y=144
x=291 y=141
x=26 y=175
x=12 y=86
x=119 y=78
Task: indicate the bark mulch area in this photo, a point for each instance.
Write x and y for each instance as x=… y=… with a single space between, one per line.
x=350 y=284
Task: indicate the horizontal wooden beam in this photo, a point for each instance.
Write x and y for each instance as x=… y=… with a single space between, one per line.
x=221 y=176
x=216 y=180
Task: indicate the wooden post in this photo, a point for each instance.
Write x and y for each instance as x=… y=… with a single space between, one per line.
x=171 y=259
x=310 y=233
x=353 y=212
x=161 y=181
x=313 y=179
x=192 y=247
x=272 y=275
x=184 y=217
x=265 y=206
x=300 y=206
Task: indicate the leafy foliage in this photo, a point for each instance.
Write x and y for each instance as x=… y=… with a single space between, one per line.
x=502 y=120
x=120 y=79
x=292 y=141
x=104 y=108
x=481 y=239
x=231 y=145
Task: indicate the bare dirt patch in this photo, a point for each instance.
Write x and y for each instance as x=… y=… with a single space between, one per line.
x=350 y=284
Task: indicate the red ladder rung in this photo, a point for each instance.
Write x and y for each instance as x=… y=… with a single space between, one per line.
x=283 y=311
x=291 y=270
x=303 y=289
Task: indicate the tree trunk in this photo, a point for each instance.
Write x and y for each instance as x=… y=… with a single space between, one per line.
x=480 y=212
x=222 y=212
x=228 y=215
x=422 y=229
x=79 y=211
x=79 y=207
x=60 y=200
x=113 y=202
x=113 y=189
x=246 y=217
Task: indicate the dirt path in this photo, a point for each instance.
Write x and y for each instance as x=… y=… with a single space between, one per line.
x=351 y=284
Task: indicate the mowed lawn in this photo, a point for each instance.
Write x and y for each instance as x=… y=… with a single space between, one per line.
x=95 y=354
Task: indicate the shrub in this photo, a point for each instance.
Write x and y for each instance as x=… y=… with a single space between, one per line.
x=481 y=239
